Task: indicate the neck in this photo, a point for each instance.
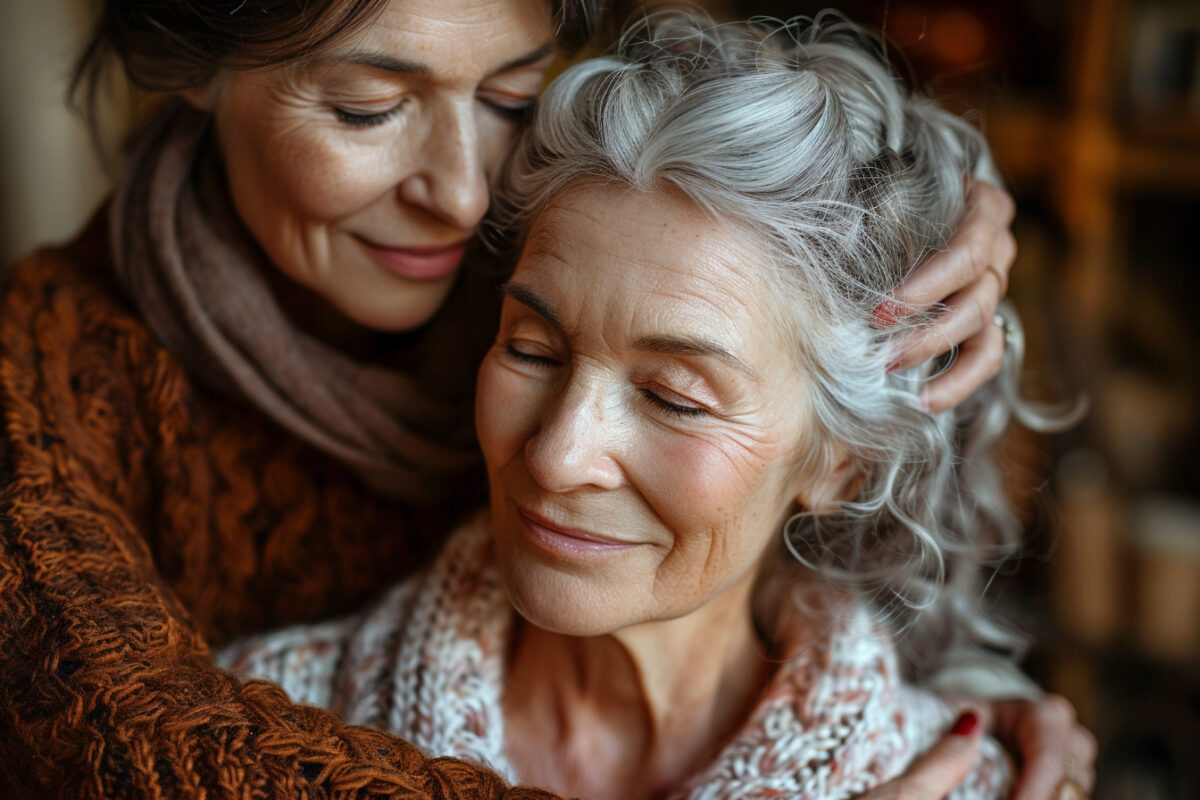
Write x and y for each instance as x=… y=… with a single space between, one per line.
x=635 y=713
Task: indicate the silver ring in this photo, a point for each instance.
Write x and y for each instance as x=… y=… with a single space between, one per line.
x=1006 y=327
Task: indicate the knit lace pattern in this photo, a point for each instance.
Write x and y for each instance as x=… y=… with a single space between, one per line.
x=427 y=662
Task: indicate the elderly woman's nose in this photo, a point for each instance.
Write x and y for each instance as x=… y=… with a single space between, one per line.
x=450 y=180
x=575 y=446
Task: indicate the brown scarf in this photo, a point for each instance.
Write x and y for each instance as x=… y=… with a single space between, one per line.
x=199 y=280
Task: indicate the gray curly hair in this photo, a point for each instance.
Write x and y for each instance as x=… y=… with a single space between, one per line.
x=801 y=132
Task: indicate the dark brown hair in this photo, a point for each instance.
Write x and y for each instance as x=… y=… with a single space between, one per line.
x=171 y=45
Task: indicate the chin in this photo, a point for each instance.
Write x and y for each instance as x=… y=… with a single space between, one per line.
x=565 y=604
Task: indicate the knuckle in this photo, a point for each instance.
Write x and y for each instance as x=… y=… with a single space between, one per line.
x=1058 y=710
x=1008 y=255
x=998 y=199
x=1008 y=206
x=976 y=254
x=925 y=350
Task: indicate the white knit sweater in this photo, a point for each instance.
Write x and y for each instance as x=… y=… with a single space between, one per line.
x=426 y=662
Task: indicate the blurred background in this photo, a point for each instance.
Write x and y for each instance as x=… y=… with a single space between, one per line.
x=1092 y=108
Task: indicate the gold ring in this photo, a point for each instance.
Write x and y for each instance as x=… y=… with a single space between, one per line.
x=1069 y=789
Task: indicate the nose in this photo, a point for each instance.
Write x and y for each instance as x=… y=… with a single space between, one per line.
x=450 y=181
x=576 y=445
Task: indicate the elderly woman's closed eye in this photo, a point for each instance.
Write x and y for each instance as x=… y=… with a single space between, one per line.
x=714 y=509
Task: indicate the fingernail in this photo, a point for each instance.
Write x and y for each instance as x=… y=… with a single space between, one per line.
x=895 y=365
x=885 y=315
x=966 y=724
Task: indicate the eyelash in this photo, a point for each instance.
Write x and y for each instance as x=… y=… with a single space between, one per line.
x=530 y=358
x=521 y=113
x=364 y=120
x=672 y=408
x=647 y=395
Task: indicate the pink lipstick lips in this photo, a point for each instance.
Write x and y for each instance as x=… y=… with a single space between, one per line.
x=418 y=263
x=567 y=541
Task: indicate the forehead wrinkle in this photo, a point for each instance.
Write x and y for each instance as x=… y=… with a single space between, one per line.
x=413 y=29
x=542 y=242
x=382 y=61
x=718 y=264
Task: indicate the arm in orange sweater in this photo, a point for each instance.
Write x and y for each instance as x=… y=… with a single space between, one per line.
x=106 y=684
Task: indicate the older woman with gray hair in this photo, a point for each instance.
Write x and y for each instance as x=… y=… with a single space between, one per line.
x=725 y=534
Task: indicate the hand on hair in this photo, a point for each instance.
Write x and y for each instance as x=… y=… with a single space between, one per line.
x=934 y=775
x=968 y=279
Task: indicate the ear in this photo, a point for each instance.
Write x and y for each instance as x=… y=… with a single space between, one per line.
x=822 y=494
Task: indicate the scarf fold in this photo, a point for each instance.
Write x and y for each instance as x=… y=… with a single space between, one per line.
x=199 y=280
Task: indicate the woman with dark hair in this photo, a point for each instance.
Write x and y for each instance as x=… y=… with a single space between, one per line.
x=242 y=397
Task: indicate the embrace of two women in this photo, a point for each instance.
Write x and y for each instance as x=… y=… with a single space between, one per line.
x=398 y=429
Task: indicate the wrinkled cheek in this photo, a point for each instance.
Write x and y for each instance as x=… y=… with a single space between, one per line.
x=708 y=494
x=314 y=183
x=695 y=482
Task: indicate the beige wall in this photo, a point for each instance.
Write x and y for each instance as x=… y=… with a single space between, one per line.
x=50 y=178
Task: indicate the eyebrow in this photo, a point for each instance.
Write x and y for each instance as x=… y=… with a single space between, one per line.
x=532 y=57
x=533 y=300
x=384 y=62
x=669 y=345
x=390 y=64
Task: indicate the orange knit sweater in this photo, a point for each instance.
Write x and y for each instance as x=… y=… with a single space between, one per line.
x=143 y=520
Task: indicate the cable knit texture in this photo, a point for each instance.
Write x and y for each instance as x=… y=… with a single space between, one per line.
x=141 y=520
x=427 y=662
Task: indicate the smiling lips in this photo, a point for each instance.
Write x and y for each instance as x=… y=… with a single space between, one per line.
x=419 y=263
x=567 y=541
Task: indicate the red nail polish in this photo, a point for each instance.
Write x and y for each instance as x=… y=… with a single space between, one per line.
x=885 y=315
x=965 y=724
x=895 y=365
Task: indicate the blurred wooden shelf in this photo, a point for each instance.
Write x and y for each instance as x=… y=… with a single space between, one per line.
x=1029 y=141
x=1173 y=168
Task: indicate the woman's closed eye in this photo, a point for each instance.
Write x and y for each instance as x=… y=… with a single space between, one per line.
x=509 y=107
x=673 y=403
x=532 y=354
x=365 y=119
x=514 y=110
